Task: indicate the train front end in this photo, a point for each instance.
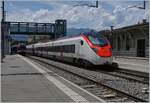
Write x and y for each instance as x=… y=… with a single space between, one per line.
x=101 y=47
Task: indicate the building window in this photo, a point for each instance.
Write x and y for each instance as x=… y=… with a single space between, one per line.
x=147 y=41
x=127 y=43
x=118 y=43
x=113 y=42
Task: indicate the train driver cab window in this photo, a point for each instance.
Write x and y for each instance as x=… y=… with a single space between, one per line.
x=93 y=40
x=97 y=40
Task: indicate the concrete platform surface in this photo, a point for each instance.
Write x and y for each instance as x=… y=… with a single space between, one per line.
x=132 y=63
x=23 y=80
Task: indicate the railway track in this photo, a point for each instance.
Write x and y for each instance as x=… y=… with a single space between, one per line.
x=122 y=73
x=129 y=76
x=98 y=88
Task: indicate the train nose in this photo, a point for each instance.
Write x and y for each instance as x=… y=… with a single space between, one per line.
x=105 y=51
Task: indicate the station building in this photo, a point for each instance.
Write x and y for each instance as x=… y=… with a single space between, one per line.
x=132 y=41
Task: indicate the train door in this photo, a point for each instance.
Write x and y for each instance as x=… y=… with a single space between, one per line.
x=77 y=49
x=141 y=48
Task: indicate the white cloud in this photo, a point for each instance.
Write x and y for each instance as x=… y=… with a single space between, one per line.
x=83 y=16
x=125 y=17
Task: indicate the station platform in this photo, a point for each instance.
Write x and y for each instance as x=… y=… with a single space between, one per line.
x=23 y=80
x=132 y=63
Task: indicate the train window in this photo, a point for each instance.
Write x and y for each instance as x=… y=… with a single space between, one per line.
x=96 y=38
x=49 y=48
x=63 y=48
x=72 y=48
x=81 y=42
x=44 y=48
x=55 y=48
x=69 y=48
x=127 y=43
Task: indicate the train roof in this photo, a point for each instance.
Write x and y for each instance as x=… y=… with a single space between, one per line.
x=69 y=36
x=76 y=35
x=63 y=38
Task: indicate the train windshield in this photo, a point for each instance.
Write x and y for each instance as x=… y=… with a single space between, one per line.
x=97 y=39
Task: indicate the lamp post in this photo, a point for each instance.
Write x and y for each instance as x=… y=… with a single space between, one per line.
x=111 y=37
x=2 y=31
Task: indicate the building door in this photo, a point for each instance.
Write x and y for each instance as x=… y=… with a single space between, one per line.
x=141 y=48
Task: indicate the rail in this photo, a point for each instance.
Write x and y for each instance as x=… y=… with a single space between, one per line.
x=122 y=94
x=127 y=57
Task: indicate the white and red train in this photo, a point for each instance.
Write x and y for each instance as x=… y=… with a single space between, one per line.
x=84 y=49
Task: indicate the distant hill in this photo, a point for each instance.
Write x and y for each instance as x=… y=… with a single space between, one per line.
x=19 y=37
x=73 y=31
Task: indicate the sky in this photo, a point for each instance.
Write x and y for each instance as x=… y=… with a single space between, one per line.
x=109 y=13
